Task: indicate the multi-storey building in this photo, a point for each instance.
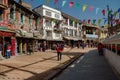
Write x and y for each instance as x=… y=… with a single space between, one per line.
x=71 y=29
x=19 y=25
x=26 y=23
x=91 y=34
x=7 y=33
x=51 y=23
x=103 y=33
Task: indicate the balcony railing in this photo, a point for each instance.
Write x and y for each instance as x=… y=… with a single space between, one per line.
x=2 y=4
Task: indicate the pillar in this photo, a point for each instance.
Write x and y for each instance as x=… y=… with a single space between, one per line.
x=25 y=47
x=20 y=47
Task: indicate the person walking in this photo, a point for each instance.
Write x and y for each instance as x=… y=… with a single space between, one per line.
x=8 y=50
x=100 y=49
x=59 y=52
x=30 y=49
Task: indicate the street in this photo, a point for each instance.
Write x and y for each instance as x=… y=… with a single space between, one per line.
x=88 y=67
x=37 y=66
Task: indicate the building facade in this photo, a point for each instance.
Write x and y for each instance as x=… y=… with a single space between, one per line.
x=71 y=29
x=51 y=24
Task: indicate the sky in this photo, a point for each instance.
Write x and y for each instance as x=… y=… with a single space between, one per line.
x=77 y=11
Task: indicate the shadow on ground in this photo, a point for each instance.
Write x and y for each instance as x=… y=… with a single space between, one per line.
x=47 y=74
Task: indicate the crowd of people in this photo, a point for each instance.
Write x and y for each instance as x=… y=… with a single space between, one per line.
x=55 y=46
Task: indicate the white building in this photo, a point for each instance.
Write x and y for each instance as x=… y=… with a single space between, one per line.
x=71 y=26
x=72 y=30
x=51 y=22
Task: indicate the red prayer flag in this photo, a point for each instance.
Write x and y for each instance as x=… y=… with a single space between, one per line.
x=71 y=4
x=103 y=12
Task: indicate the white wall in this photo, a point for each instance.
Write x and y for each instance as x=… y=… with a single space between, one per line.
x=113 y=59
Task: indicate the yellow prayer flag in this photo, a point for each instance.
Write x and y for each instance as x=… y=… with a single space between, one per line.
x=84 y=7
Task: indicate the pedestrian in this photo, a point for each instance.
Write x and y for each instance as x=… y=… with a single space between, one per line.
x=30 y=49
x=8 y=50
x=59 y=52
x=100 y=49
x=82 y=45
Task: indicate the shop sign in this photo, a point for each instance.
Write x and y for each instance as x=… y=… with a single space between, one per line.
x=3 y=23
x=2 y=33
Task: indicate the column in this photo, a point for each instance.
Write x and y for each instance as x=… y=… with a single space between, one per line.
x=20 y=47
x=25 y=47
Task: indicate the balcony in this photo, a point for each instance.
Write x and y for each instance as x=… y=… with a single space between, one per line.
x=2 y=4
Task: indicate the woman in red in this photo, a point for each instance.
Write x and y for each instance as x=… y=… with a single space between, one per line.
x=100 y=49
x=59 y=52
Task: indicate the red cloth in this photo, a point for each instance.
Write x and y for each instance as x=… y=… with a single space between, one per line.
x=9 y=48
x=100 y=46
x=59 y=49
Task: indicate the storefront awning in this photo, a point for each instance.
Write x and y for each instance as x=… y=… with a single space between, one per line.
x=73 y=38
x=4 y=31
x=51 y=39
x=2 y=6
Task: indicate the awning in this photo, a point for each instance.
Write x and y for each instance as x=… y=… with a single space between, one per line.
x=24 y=34
x=2 y=6
x=3 y=28
x=51 y=39
x=73 y=38
x=4 y=31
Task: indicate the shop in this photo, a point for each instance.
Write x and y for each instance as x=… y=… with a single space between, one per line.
x=23 y=42
x=7 y=36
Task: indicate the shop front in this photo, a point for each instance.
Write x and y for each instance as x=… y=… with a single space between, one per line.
x=7 y=36
x=24 y=40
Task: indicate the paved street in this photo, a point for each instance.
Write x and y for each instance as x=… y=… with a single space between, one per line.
x=38 y=66
x=88 y=67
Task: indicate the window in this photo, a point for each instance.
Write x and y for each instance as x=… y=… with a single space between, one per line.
x=57 y=35
x=48 y=13
x=12 y=13
x=89 y=31
x=49 y=33
x=57 y=16
x=48 y=23
x=30 y=20
x=75 y=24
x=75 y=33
x=22 y=17
x=71 y=22
x=0 y=14
x=5 y=2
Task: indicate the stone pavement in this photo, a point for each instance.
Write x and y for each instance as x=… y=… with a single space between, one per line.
x=37 y=66
x=90 y=66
